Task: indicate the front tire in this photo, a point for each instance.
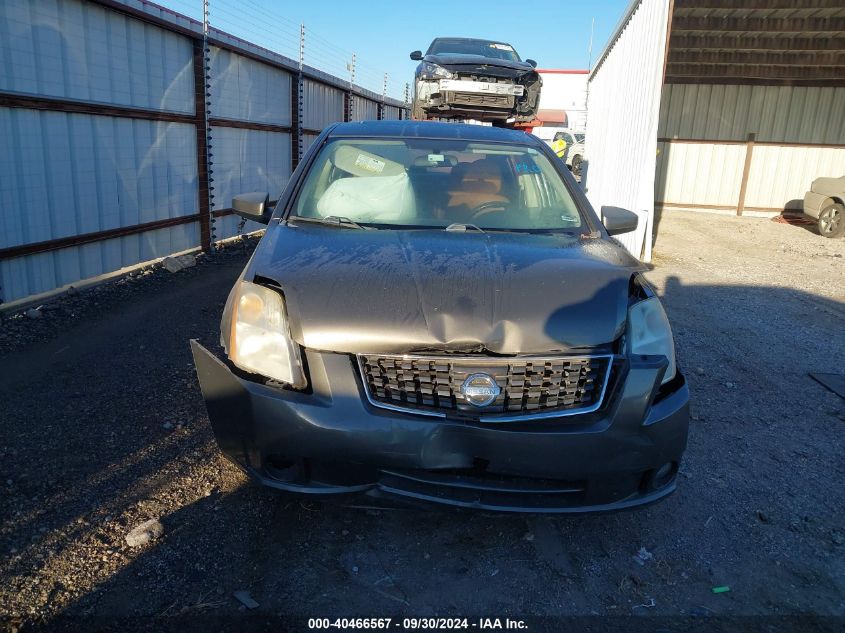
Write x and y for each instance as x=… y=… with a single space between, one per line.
x=832 y=220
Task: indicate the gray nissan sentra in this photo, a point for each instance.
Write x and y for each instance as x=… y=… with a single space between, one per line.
x=436 y=314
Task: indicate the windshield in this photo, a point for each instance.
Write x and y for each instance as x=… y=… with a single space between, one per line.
x=421 y=183
x=474 y=48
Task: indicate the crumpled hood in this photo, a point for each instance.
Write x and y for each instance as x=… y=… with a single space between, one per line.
x=480 y=65
x=358 y=291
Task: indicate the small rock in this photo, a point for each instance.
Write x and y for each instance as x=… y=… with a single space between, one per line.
x=763 y=517
x=729 y=385
x=145 y=533
x=529 y=536
x=699 y=371
x=175 y=264
x=354 y=569
x=167 y=426
x=33 y=313
x=344 y=532
x=837 y=537
x=245 y=599
x=643 y=556
x=71 y=291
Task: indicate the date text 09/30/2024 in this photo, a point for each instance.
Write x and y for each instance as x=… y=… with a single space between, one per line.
x=417 y=624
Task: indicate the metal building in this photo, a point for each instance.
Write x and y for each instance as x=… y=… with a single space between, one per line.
x=725 y=106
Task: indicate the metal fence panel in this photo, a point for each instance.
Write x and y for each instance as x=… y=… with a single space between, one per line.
x=100 y=135
x=79 y=50
x=622 y=132
x=43 y=272
x=247 y=90
x=70 y=174
x=391 y=113
x=247 y=160
x=323 y=105
x=308 y=141
x=364 y=109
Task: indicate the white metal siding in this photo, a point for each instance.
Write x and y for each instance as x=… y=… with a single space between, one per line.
x=68 y=174
x=308 y=141
x=79 y=50
x=390 y=112
x=323 y=105
x=779 y=175
x=623 y=113
x=247 y=160
x=781 y=114
x=705 y=173
x=364 y=109
x=43 y=272
x=247 y=90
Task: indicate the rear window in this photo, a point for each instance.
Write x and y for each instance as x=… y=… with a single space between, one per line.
x=421 y=183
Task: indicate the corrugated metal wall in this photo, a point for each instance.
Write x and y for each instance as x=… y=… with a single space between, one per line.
x=391 y=113
x=116 y=146
x=777 y=114
x=364 y=109
x=79 y=50
x=243 y=89
x=247 y=160
x=323 y=105
x=704 y=129
x=623 y=108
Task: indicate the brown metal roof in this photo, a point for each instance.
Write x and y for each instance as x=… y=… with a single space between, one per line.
x=768 y=42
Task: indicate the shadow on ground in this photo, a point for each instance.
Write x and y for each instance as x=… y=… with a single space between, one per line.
x=86 y=456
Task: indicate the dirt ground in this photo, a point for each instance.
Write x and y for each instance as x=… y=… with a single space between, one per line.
x=103 y=427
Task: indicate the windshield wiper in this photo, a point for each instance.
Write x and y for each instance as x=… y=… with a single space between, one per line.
x=463 y=228
x=335 y=220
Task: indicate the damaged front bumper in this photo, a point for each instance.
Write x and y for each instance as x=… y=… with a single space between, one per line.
x=481 y=100
x=332 y=441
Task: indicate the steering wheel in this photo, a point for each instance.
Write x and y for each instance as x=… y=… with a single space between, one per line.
x=491 y=206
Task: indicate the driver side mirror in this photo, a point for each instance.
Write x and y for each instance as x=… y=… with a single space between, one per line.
x=618 y=221
x=416 y=56
x=253 y=206
x=532 y=62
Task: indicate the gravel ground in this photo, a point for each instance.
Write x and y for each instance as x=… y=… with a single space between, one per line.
x=103 y=428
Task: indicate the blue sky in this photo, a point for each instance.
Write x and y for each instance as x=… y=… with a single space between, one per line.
x=556 y=33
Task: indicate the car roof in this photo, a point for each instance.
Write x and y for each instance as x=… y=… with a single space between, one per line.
x=431 y=129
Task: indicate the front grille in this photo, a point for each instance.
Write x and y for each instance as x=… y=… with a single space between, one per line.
x=528 y=386
x=479 y=99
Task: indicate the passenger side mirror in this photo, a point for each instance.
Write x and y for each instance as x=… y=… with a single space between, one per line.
x=252 y=206
x=618 y=221
x=532 y=62
x=416 y=56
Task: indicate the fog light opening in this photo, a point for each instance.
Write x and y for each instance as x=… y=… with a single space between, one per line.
x=283 y=469
x=664 y=475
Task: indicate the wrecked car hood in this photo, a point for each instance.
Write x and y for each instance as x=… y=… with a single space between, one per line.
x=480 y=65
x=385 y=291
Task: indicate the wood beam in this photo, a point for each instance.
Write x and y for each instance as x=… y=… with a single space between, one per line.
x=759 y=25
x=785 y=58
x=825 y=43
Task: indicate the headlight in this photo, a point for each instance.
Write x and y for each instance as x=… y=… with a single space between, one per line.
x=260 y=340
x=649 y=332
x=433 y=71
